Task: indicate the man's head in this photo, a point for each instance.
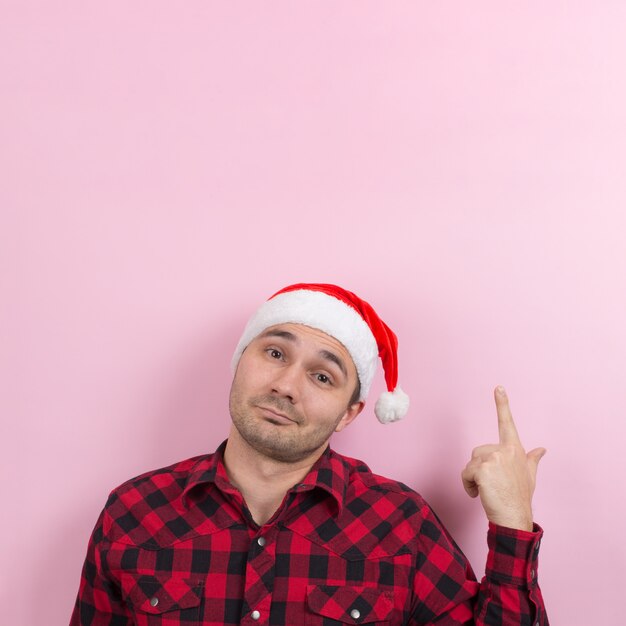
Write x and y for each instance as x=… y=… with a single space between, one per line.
x=292 y=389
x=324 y=342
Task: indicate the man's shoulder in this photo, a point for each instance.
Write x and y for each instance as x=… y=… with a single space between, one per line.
x=363 y=480
x=378 y=516
x=175 y=474
x=149 y=509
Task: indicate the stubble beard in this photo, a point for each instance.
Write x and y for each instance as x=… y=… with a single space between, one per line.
x=283 y=443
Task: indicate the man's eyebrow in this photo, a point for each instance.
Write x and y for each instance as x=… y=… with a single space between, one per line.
x=331 y=356
x=284 y=334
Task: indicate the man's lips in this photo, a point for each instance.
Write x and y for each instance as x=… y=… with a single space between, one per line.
x=274 y=414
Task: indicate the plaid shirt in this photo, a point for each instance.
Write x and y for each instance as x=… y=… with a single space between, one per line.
x=178 y=546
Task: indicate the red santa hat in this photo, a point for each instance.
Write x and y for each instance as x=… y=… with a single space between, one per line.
x=352 y=321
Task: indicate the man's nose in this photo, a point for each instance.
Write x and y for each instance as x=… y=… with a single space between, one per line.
x=287 y=382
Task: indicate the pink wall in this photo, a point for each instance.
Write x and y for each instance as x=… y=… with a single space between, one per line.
x=166 y=167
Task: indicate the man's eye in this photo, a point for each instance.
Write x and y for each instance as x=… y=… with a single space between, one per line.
x=275 y=354
x=323 y=378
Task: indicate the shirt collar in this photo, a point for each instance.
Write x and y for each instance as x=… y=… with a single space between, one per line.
x=331 y=473
x=208 y=469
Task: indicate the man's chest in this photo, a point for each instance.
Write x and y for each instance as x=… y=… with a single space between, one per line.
x=277 y=575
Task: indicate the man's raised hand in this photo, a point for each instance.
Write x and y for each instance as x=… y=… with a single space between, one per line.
x=504 y=474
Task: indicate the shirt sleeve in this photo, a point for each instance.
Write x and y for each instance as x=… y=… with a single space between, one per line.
x=509 y=593
x=446 y=592
x=99 y=602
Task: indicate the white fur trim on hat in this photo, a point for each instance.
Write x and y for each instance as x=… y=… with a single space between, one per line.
x=323 y=312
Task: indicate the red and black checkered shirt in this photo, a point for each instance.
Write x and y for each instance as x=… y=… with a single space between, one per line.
x=178 y=546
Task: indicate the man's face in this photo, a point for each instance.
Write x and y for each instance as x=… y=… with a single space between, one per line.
x=291 y=392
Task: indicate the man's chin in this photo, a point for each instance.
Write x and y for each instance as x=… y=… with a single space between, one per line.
x=279 y=449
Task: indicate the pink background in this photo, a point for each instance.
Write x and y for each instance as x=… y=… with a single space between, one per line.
x=166 y=167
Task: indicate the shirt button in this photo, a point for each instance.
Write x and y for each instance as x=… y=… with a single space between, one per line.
x=255 y=615
x=537 y=544
x=154 y=601
x=355 y=613
x=532 y=574
x=261 y=541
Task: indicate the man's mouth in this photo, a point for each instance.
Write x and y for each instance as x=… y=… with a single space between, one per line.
x=276 y=416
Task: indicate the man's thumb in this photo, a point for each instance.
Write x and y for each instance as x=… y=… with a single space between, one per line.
x=534 y=456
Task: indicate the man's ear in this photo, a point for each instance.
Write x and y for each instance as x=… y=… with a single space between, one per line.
x=350 y=415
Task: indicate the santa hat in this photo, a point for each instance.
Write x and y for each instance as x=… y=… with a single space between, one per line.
x=352 y=321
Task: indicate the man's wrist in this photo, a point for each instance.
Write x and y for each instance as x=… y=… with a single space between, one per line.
x=525 y=524
x=521 y=519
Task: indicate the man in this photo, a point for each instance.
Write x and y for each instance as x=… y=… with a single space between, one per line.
x=275 y=528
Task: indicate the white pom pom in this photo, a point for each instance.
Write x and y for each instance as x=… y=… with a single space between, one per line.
x=391 y=406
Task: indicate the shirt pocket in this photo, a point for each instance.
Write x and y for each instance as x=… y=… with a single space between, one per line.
x=162 y=599
x=329 y=605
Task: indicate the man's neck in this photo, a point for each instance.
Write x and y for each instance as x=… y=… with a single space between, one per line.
x=262 y=481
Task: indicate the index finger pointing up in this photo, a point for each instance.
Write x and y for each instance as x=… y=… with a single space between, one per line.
x=506 y=425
